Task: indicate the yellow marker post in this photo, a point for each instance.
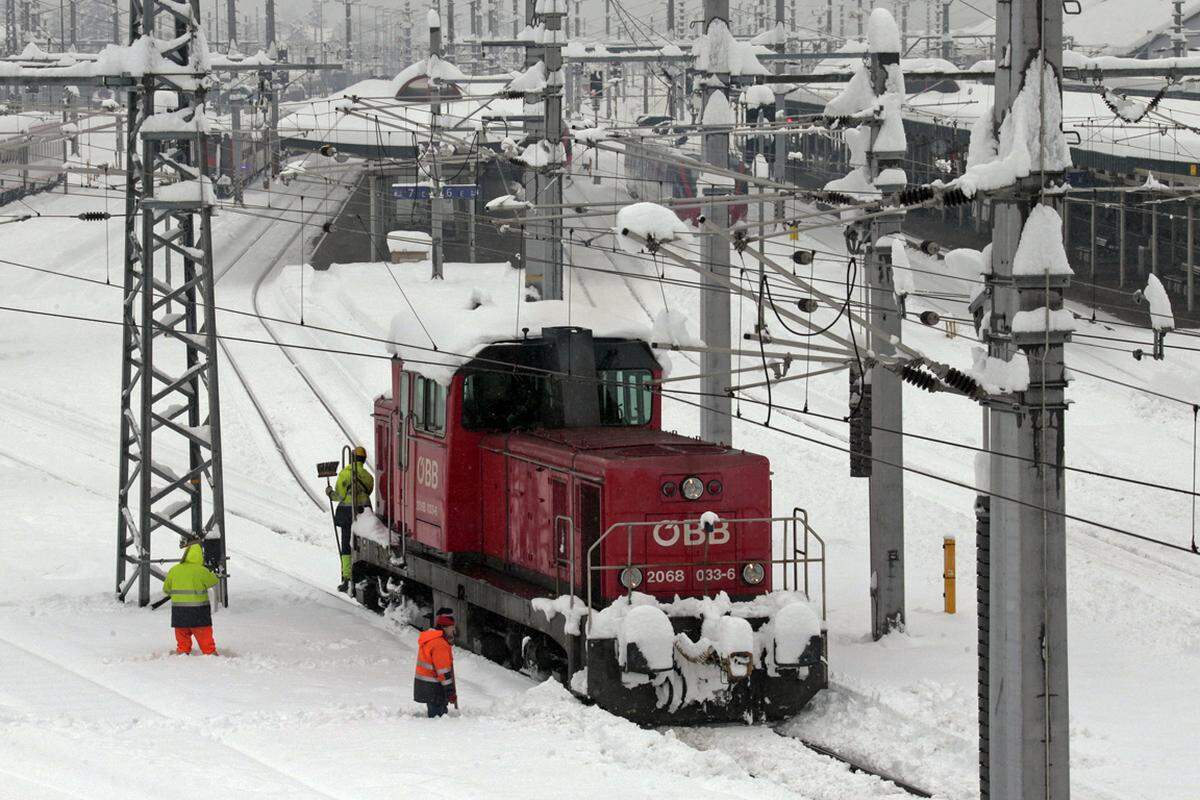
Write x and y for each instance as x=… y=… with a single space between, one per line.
x=794 y=232
x=948 y=572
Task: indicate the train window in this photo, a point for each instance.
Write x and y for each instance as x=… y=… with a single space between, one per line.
x=506 y=401
x=429 y=407
x=625 y=397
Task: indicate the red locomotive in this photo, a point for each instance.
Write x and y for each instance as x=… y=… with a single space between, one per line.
x=538 y=497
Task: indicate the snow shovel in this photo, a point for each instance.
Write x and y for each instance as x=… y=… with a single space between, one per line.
x=327 y=470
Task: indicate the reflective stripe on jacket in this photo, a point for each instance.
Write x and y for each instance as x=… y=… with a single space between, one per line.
x=434 y=679
x=187 y=584
x=354 y=485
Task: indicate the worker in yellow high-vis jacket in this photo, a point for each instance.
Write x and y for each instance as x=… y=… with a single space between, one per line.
x=187 y=584
x=352 y=493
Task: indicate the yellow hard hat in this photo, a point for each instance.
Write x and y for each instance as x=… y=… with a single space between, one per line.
x=360 y=452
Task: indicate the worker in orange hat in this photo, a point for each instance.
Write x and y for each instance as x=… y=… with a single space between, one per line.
x=433 y=684
x=352 y=493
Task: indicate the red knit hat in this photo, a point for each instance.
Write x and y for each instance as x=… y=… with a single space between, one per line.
x=443 y=620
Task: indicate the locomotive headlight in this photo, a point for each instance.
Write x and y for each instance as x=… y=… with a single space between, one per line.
x=692 y=488
x=753 y=574
x=631 y=577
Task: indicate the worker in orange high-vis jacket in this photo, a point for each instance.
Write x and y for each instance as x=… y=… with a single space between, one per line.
x=433 y=684
x=187 y=584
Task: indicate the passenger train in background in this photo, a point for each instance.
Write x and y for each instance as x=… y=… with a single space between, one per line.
x=31 y=153
x=537 y=495
x=655 y=174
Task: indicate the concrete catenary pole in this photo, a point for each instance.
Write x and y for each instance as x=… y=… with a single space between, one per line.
x=885 y=160
x=716 y=413
x=436 y=209
x=1024 y=751
x=1179 y=43
x=779 y=166
x=231 y=21
x=544 y=264
x=947 y=40
x=269 y=35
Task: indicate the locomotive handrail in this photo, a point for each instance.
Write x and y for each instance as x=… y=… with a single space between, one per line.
x=570 y=558
x=797 y=556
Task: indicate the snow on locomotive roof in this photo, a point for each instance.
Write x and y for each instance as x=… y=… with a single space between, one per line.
x=473 y=306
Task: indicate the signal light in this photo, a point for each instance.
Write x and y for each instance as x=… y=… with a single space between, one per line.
x=930 y=318
x=753 y=574
x=808 y=304
x=631 y=577
x=715 y=487
x=803 y=257
x=668 y=489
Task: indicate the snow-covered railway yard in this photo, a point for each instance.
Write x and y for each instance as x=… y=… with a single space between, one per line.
x=312 y=699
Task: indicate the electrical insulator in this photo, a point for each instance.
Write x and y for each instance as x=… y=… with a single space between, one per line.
x=961 y=381
x=327 y=150
x=914 y=195
x=922 y=380
x=803 y=257
x=930 y=318
x=954 y=197
x=860 y=426
x=930 y=247
x=807 y=304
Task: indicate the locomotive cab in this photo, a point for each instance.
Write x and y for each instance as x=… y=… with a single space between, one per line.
x=536 y=494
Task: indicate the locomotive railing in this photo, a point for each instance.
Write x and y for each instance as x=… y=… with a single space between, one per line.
x=794 y=563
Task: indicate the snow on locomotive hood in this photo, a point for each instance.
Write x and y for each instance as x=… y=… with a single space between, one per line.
x=436 y=326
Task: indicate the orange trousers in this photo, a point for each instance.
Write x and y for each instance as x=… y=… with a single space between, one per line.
x=204 y=638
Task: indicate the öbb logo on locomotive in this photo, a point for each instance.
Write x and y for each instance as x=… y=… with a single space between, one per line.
x=427 y=472
x=668 y=534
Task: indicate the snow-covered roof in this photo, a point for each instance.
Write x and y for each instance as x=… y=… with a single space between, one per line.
x=353 y=116
x=1084 y=112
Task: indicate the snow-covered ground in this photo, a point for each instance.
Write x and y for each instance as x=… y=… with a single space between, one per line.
x=311 y=697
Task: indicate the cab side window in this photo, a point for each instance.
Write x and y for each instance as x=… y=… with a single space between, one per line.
x=429 y=407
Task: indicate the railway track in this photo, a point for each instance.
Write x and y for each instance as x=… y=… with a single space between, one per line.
x=296 y=470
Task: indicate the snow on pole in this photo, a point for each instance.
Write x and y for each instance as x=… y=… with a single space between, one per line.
x=1040 y=250
x=902 y=277
x=882 y=34
x=1030 y=137
x=1162 y=319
